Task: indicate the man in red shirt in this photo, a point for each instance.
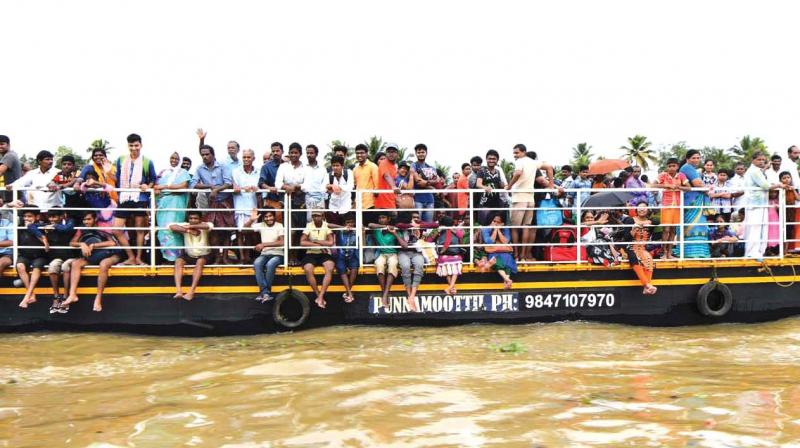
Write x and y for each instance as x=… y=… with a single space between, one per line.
x=387 y=172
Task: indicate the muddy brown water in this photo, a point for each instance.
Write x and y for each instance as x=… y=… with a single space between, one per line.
x=565 y=384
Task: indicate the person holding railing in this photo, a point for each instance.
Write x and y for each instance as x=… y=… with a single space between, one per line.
x=266 y=178
x=673 y=184
x=6 y=241
x=134 y=171
x=314 y=181
x=695 y=226
x=346 y=254
x=96 y=249
x=637 y=231
x=450 y=260
x=44 y=196
x=411 y=255
x=58 y=232
x=97 y=181
x=492 y=180
x=522 y=199
x=339 y=189
x=171 y=206
x=214 y=177
x=387 y=172
x=66 y=182
x=791 y=199
x=245 y=185
x=756 y=231
x=365 y=174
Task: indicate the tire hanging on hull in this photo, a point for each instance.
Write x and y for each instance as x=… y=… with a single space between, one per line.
x=278 y=311
x=714 y=299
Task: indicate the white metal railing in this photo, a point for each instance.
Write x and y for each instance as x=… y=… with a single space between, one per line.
x=470 y=228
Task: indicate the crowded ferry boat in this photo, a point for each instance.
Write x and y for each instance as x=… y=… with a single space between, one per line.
x=308 y=240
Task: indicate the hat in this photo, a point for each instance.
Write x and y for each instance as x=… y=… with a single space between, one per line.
x=391 y=146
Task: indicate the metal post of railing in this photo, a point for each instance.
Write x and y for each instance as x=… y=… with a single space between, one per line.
x=682 y=228
x=14 y=224
x=287 y=225
x=781 y=220
x=152 y=231
x=578 y=225
x=360 y=228
x=471 y=229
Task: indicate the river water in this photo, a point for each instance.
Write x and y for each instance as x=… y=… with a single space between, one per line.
x=567 y=384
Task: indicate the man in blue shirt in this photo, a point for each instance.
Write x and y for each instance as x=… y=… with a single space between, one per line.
x=582 y=182
x=425 y=178
x=269 y=171
x=214 y=177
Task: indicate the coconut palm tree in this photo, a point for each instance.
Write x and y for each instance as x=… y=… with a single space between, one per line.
x=99 y=144
x=678 y=151
x=581 y=155
x=507 y=167
x=747 y=147
x=349 y=159
x=638 y=151
x=445 y=169
x=720 y=156
x=374 y=145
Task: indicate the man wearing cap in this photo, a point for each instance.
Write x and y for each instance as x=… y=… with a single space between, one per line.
x=387 y=172
x=10 y=168
x=44 y=197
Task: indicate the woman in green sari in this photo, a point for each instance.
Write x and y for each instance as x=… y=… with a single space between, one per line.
x=171 y=206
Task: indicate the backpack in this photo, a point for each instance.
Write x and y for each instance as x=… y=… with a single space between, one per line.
x=344 y=176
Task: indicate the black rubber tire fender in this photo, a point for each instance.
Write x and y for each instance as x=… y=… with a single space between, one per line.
x=290 y=294
x=703 y=299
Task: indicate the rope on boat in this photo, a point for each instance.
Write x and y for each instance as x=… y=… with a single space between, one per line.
x=765 y=267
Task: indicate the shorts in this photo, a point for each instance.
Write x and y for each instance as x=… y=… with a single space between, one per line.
x=386 y=263
x=315 y=259
x=520 y=217
x=54 y=266
x=36 y=263
x=670 y=216
x=99 y=255
x=131 y=208
x=344 y=263
x=193 y=260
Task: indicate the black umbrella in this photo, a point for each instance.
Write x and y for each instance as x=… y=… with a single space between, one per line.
x=609 y=199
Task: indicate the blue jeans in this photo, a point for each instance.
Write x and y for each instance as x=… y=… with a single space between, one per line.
x=265 y=266
x=426 y=214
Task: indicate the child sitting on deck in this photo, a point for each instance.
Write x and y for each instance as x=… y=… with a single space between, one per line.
x=58 y=232
x=450 y=258
x=387 y=261
x=32 y=259
x=346 y=259
x=196 y=239
x=96 y=248
x=6 y=241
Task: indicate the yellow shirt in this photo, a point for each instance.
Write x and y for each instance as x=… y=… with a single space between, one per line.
x=197 y=245
x=366 y=177
x=317 y=234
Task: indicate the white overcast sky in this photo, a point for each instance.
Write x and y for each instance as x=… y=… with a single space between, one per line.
x=460 y=76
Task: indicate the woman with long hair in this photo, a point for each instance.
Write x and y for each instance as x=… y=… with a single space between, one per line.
x=639 y=235
x=99 y=177
x=171 y=206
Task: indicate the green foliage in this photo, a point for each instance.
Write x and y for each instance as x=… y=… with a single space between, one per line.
x=100 y=144
x=638 y=151
x=349 y=158
x=678 y=150
x=507 y=167
x=377 y=144
x=747 y=147
x=581 y=155
x=62 y=151
x=721 y=157
x=442 y=168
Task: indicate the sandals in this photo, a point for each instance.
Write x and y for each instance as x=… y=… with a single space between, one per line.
x=348 y=298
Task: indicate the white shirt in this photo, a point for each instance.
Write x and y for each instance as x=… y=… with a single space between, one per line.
x=289 y=174
x=772 y=176
x=316 y=177
x=341 y=202
x=37 y=179
x=526 y=180
x=737 y=184
x=244 y=202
